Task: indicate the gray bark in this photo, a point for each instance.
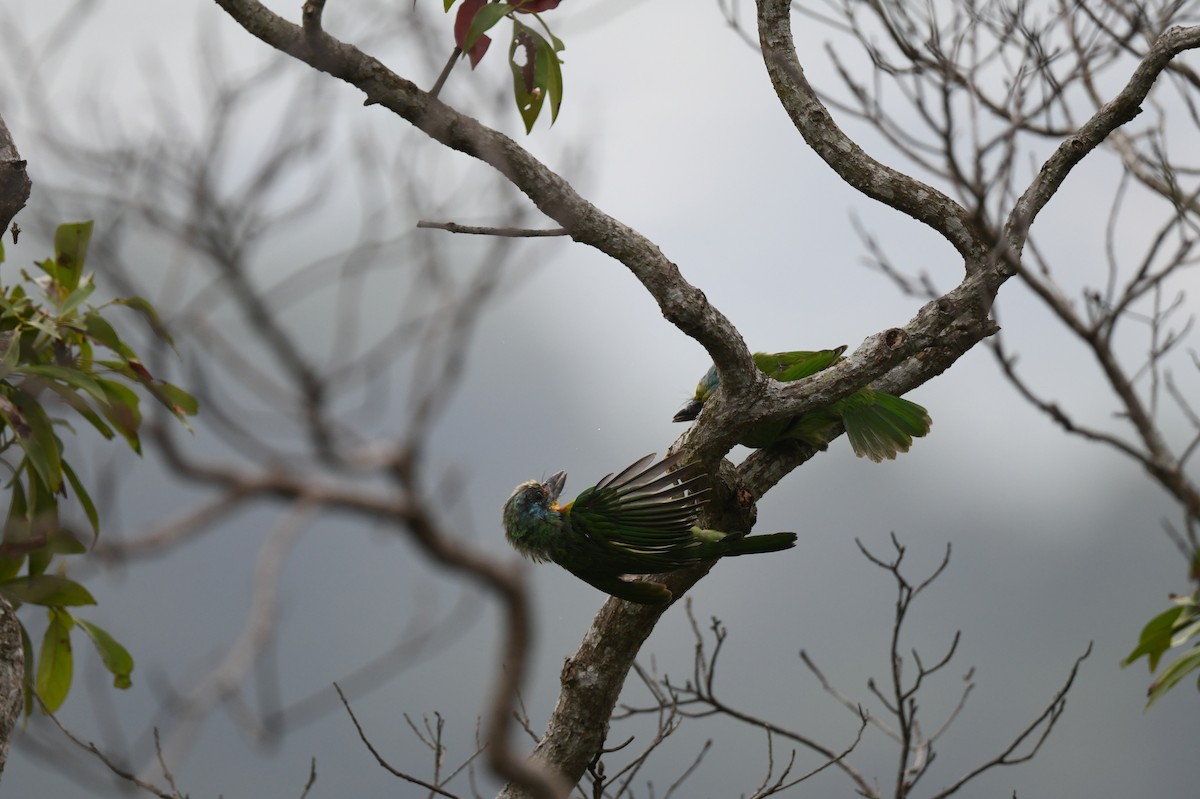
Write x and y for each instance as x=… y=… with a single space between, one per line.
x=14 y=180
x=14 y=191
x=12 y=674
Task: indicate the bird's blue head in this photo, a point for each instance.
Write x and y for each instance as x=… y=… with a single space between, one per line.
x=704 y=389
x=529 y=509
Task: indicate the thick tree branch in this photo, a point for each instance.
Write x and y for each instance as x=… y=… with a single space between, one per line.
x=682 y=304
x=14 y=191
x=14 y=179
x=878 y=181
x=12 y=674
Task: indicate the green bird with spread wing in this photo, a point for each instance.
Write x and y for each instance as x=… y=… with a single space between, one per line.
x=878 y=425
x=641 y=521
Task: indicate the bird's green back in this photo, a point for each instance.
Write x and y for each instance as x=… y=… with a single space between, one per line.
x=787 y=367
x=878 y=425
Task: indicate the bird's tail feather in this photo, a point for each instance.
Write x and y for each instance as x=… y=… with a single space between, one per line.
x=758 y=543
x=879 y=425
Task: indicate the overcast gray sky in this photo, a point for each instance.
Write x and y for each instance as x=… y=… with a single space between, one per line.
x=1057 y=543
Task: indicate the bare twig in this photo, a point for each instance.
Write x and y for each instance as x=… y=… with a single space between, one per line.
x=509 y=232
x=124 y=774
x=1046 y=721
x=380 y=759
x=312 y=778
x=697 y=698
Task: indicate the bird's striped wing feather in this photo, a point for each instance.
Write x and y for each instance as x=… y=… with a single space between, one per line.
x=644 y=510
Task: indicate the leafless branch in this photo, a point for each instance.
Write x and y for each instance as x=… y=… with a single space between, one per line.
x=510 y=232
x=1038 y=731
x=124 y=774
x=312 y=778
x=697 y=698
x=380 y=759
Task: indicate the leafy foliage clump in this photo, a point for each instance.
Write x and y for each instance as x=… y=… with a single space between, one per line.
x=59 y=351
x=1176 y=628
x=533 y=58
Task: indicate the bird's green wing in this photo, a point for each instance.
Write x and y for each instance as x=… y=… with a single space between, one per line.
x=812 y=428
x=879 y=425
x=643 y=517
x=796 y=365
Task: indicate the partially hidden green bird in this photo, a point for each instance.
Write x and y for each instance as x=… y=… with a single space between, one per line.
x=640 y=521
x=878 y=425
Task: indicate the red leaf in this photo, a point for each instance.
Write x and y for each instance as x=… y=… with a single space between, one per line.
x=462 y=24
x=534 y=6
x=141 y=371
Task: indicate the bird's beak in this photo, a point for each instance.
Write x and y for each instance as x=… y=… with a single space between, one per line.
x=554 y=485
x=689 y=411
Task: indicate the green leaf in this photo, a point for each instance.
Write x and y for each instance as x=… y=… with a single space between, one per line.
x=55 y=662
x=81 y=407
x=131 y=369
x=61 y=541
x=1173 y=674
x=43 y=521
x=16 y=526
x=43 y=323
x=98 y=329
x=1185 y=633
x=70 y=252
x=12 y=415
x=41 y=447
x=71 y=376
x=36 y=436
x=549 y=72
x=39 y=561
x=77 y=296
x=143 y=306
x=484 y=20
x=85 y=500
x=17 y=532
x=539 y=77
x=180 y=402
x=528 y=95
x=12 y=352
x=1155 y=638
x=116 y=657
x=46 y=589
x=51 y=268
x=10 y=565
x=121 y=409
